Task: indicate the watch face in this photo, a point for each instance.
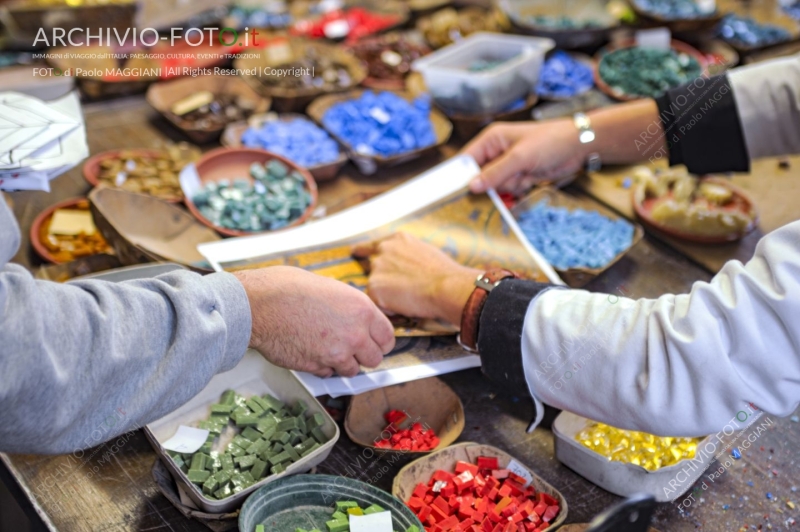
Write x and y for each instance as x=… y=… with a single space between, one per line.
x=586 y=136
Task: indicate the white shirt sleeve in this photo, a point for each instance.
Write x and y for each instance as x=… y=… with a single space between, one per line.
x=768 y=103
x=680 y=365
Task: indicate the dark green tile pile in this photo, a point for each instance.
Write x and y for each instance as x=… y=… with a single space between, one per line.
x=275 y=198
x=561 y=22
x=270 y=436
x=647 y=72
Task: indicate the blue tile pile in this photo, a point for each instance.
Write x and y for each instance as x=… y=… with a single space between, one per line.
x=672 y=9
x=564 y=77
x=382 y=124
x=748 y=32
x=575 y=239
x=299 y=140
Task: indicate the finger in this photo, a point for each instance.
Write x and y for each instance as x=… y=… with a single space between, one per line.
x=496 y=172
x=382 y=332
x=370 y=356
x=323 y=372
x=490 y=143
x=365 y=250
x=347 y=368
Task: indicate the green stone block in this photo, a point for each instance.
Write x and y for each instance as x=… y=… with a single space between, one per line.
x=342 y=506
x=319 y=435
x=277 y=469
x=210 y=485
x=279 y=458
x=274 y=404
x=288 y=424
x=223 y=477
x=317 y=420
x=222 y=408
x=258 y=469
x=198 y=477
x=224 y=492
x=337 y=526
x=227 y=462
x=374 y=509
x=251 y=434
x=300 y=407
x=198 y=462
x=291 y=452
x=245 y=462
x=228 y=397
x=255 y=406
x=310 y=450
x=246 y=420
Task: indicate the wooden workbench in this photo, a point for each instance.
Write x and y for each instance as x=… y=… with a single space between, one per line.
x=122 y=495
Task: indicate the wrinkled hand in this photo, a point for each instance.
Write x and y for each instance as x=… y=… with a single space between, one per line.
x=516 y=156
x=307 y=322
x=415 y=279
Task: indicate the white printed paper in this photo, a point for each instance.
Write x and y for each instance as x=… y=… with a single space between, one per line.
x=186 y=440
x=379 y=522
x=520 y=470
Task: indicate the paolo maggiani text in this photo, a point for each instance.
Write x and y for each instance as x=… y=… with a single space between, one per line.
x=158 y=72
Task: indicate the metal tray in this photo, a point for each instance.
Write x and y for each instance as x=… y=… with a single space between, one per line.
x=620 y=478
x=253 y=375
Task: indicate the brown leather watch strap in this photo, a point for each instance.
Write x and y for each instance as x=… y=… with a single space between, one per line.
x=470 y=317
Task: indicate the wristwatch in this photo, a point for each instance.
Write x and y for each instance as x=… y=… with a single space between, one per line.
x=470 y=317
x=586 y=135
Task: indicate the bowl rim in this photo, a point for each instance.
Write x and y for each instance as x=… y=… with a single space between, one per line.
x=311 y=184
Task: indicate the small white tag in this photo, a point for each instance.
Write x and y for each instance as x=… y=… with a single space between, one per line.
x=706 y=6
x=336 y=29
x=658 y=38
x=518 y=469
x=186 y=440
x=380 y=116
x=379 y=522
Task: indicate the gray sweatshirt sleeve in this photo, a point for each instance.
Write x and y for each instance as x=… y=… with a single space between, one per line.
x=83 y=362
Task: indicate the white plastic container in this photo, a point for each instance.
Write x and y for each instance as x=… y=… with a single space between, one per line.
x=622 y=478
x=252 y=376
x=454 y=87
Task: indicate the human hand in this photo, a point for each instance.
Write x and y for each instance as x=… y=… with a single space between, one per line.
x=307 y=322
x=516 y=156
x=415 y=279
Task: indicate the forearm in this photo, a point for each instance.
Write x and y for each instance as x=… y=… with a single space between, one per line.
x=627 y=133
x=86 y=361
x=676 y=365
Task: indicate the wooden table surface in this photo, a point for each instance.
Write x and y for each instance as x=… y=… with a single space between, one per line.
x=121 y=494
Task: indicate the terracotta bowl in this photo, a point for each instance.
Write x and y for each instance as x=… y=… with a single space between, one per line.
x=43 y=217
x=643 y=206
x=232 y=163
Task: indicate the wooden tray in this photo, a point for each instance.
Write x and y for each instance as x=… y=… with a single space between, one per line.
x=677 y=46
x=164 y=94
x=430 y=401
x=232 y=138
x=420 y=470
x=291 y=99
x=576 y=277
x=442 y=128
x=142 y=228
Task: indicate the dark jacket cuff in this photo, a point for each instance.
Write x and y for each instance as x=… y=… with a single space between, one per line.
x=702 y=127
x=500 y=332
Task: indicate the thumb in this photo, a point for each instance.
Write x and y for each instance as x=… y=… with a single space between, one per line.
x=499 y=171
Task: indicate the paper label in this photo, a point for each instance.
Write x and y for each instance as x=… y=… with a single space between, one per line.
x=658 y=38
x=186 y=440
x=518 y=469
x=706 y=6
x=379 y=522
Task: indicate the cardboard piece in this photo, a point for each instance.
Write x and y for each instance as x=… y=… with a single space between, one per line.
x=429 y=401
x=142 y=228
